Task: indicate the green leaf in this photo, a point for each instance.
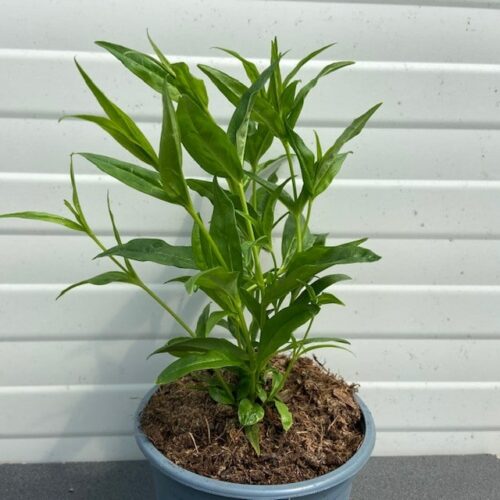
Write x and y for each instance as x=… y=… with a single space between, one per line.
x=249 y=413
x=257 y=144
x=202 y=322
x=142 y=179
x=125 y=125
x=249 y=67
x=284 y=197
x=119 y=136
x=202 y=252
x=322 y=283
x=141 y=65
x=253 y=435
x=352 y=130
x=304 y=265
x=206 y=321
x=154 y=250
x=101 y=279
x=161 y=56
x=284 y=413
x=278 y=329
x=219 y=284
x=45 y=217
x=233 y=89
x=304 y=91
x=184 y=346
x=276 y=383
x=224 y=231
x=210 y=360
x=206 y=142
x=303 y=61
x=220 y=395
x=238 y=125
x=186 y=83
x=170 y=162
x=230 y=87
x=326 y=171
x=305 y=157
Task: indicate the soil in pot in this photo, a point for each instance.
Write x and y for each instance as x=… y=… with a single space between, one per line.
x=200 y=435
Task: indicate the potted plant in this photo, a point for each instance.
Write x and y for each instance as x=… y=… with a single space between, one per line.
x=241 y=412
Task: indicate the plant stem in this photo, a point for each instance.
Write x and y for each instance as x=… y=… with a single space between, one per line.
x=295 y=356
x=165 y=306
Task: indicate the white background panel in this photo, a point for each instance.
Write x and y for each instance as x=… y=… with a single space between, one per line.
x=423 y=184
x=364 y=31
x=408 y=153
x=108 y=409
x=124 y=361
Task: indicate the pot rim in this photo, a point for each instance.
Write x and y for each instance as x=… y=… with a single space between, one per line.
x=238 y=490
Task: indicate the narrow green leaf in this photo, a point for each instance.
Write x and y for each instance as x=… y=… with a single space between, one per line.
x=278 y=329
x=121 y=121
x=142 y=179
x=101 y=279
x=196 y=362
x=305 y=157
x=304 y=61
x=284 y=197
x=352 y=130
x=141 y=65
x=161 y=56
x=219 y=284
x=188 y=84
x=183 y=346
x=224 y=230
x=120 y=137
x=327 y=170
x=322 y=283
x=233 y=89
x=249 y=67
x=154 y=250
x=170 y=161
x=238 y=125
x=249 y=413
x=284 y=413
x=220 y=395
x=202 y=253
x=305 y=265
x=253 y=435
x=304 y=91
x=45 y=217
x=206 y=142
x=201 y=324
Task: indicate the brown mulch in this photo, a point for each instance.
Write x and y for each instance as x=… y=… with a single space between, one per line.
x=196 y=433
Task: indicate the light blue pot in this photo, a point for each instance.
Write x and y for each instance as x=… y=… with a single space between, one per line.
x=175 y=483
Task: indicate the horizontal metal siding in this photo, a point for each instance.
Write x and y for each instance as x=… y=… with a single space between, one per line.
x=423 y=183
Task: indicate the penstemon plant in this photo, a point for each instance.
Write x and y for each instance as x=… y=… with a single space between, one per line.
x=261 y=306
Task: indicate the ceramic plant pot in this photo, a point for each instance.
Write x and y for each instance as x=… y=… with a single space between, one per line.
x=175 y=483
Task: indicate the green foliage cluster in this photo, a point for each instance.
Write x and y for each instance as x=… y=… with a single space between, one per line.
x=252 y=207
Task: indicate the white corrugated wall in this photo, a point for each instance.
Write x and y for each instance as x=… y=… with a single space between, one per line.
x=423 y=184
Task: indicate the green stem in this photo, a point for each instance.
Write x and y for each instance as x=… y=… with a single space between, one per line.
x=165 y=306
x=294 y=358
